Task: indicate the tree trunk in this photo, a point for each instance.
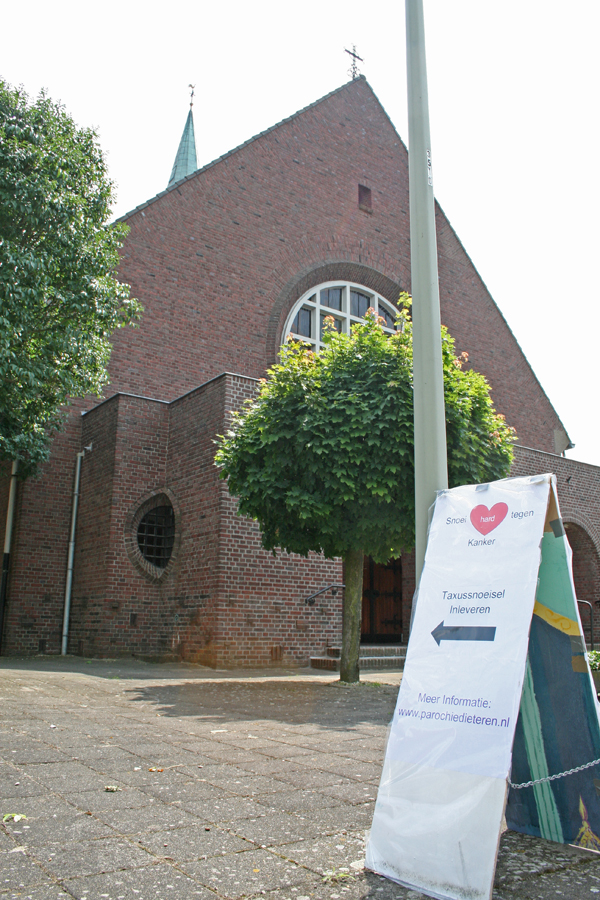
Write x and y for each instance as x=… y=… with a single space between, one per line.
x=352 y=615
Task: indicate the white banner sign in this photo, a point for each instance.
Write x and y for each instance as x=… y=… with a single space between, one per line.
x=441 y=800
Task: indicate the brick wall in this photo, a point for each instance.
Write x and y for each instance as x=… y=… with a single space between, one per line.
x=195 y=420
x=222 y=600
x=126 y=465
x=262 y=615
x=36 y=585
x=242 y=605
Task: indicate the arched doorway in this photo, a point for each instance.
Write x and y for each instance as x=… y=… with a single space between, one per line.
x=586 y=576
x=382 y=602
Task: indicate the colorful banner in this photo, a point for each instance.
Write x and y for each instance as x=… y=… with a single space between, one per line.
x=558 y=727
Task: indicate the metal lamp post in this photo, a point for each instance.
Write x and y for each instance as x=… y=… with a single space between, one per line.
x=431 y=469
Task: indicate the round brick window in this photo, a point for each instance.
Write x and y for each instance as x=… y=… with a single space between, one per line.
x=153 y=534
x=156 y=535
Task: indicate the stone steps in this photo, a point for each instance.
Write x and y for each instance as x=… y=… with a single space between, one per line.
x=378 y=656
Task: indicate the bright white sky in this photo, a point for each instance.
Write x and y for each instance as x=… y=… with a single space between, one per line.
x=513 y=89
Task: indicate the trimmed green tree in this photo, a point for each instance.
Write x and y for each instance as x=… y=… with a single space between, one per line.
x=59 y=300
x=323 y=457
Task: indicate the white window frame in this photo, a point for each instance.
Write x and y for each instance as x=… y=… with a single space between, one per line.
x=311 y=301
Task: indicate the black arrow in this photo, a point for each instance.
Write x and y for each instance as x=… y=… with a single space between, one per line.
x=462 y=633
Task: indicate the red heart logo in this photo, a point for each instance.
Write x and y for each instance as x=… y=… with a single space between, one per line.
x=485 y=520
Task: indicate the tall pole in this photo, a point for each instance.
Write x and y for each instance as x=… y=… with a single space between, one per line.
x=10 y=518
x=431 y=468
x=71 y=556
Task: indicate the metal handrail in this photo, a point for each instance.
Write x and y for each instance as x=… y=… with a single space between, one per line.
x=587 y=603
x=334 y=588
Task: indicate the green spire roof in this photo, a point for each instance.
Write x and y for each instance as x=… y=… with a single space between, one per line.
x=185 y=161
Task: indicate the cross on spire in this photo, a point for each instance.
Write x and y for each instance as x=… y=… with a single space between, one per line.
x=192 y=86
x=353 y=70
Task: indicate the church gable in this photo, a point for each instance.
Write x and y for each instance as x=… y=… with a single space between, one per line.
x=220 y=258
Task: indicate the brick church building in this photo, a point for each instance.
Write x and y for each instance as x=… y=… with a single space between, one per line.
x=307 y=219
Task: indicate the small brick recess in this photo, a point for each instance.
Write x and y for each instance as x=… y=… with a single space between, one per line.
x=218 y=261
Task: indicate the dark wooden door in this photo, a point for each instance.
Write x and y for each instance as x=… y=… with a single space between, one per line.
x=382 y=602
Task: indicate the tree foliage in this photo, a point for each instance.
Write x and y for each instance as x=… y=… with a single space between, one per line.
x=323 y=458
x=59 y=301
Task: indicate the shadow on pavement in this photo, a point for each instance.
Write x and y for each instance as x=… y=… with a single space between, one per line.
x=327 y=705
x=106 y=668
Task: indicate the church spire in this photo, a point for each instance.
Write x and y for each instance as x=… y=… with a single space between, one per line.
x=185 y=161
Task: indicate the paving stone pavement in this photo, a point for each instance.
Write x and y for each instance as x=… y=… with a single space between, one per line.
x=228 y=785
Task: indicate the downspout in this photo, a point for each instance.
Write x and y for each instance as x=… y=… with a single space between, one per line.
x=10 y=518
x=71 y=555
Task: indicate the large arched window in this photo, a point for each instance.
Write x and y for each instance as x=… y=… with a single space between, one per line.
x=345 y=301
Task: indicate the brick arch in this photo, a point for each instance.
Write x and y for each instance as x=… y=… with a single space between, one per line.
x=341 y=270
x=586 y=574
x=571 y=512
